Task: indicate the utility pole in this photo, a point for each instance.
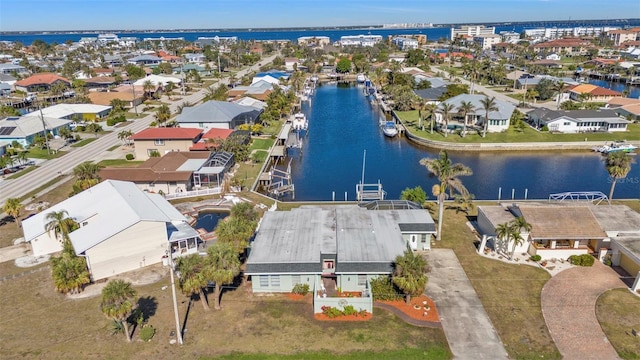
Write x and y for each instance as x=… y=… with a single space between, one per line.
x=133 y=101
x=175 y=302
x=46 y=135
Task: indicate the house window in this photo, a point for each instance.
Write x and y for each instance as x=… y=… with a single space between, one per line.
x=424 y=238
x=275 y=280
x=159 y=142
x=566 y=123
x=362 y=280
x=152 y=184
x=328 y=264
x=264 y=280
x=173 y=183
x=295 y=279
x=201 y=125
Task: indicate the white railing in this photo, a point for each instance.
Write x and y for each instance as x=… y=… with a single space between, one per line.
x=194 y=193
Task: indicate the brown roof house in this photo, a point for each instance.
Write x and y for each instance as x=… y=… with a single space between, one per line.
x=175 y=172
x=164 y=140
x=40 y=82
x=132 y=97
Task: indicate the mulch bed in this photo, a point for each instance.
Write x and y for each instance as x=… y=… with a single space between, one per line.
x=295 y=297
x=323 y=317
x=416 y=309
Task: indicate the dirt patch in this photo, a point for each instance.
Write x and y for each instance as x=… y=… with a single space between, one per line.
x=421 y=308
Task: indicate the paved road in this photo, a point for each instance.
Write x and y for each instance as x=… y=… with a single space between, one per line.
x=568 y=305
x=466 y=325
x=50 y=169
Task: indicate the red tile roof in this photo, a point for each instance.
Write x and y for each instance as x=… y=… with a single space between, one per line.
x=217 y=133
x=42 y=78
x=167 y=134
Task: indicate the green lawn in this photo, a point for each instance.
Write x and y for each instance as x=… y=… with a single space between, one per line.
x=410 y=119
x=22 y=172
x=618 y=312
x=37 y=153
x=261 y=143
x=83 y=142
x=260 y=156
x=113 y=147
x=120 y=163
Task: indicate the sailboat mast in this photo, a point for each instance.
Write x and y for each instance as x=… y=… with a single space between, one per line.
x=364 y=159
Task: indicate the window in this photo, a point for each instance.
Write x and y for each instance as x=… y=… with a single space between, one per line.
x=201 y=125
x=264 y=280
x=159 y=142
x=275 y=280
x=152 y=184
x=295 y=279
x=150 y=152
x=566 y=123
x=173 y=183
x=424 y=238
x=362 y=280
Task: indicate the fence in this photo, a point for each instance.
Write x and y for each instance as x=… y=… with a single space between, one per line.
x=194 y=193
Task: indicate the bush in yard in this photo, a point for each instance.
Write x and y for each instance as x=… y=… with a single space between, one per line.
x=331 y=312
x=300 y=289
x=116 y=120
x=383 y=289
x=349 y=310
x=129 y=157
x=581 y=260
x=147 y=332
x=536 y=257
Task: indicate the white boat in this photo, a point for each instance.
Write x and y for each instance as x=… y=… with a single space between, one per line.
x=300 y=122
x=389 y=129
x=361 y=78
x=616 y=146
x=314 y=78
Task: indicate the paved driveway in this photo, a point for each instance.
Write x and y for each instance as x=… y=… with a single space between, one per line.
x=569 y=309
x=469 y=331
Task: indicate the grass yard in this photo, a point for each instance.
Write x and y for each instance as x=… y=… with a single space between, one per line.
x=120 y=163
x=37 y=153
x=618 y=312
x=410 y=119
x=509 y=293
x=113 y=147
x=83 y=142
x=246 y=325
x=247 y=173
x=22 y=172
x=260 y=156
x=261 y=144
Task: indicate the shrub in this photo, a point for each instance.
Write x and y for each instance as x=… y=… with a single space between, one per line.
x=536 y=257
x=300 y=289
x=129 y=157
x=581 y=260
x=116 y=120
x=383 y=289
x=331 y=312
x=349 y=310
x=147 y=332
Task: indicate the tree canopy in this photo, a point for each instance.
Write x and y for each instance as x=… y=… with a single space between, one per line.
x=409 y=274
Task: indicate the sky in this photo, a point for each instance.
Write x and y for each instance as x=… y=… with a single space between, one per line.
x=47 y=15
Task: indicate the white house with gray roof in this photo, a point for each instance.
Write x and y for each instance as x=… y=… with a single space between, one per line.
x=24 y=129
x=333 y=247
x=575 y=121
x=217 y=114
x=122 y=228
x=498 y=120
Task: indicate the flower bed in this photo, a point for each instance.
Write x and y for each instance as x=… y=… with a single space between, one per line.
x=295 y=297
x=420 y=308
x=348 y=314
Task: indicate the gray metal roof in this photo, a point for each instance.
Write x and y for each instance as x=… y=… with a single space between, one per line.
x=218 y=112
x=29 y=125
x=505 y=109
x=600 y=115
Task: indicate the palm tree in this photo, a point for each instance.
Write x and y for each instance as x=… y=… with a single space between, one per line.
x=12 y=207
x=409 y=274
x=61 y=224
x=148 y=87
x=86 y=175
x=224 y=267
x=465 y=108
x=118 y=302
x=446 y=109
x=430 y=111
x=558 y=87
x=521 y=224
x=163 y=114
x=618 y=165
x=517 y=238
x=193 y=277
x=503 y=232
x=69 y=272
x=447 y=174
x=488 y=105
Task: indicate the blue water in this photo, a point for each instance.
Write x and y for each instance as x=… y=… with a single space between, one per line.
x=342 y=125
x=209 y=220
x=634 y=91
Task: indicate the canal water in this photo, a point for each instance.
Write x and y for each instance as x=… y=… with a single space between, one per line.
x=634 y=91
x=343 y=124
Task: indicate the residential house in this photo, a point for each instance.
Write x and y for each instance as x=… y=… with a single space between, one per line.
x=174 y=172
x=621 y=36
x=628 y=108
x=551 y=64
x=195 y=58
x=9 y=69
x=291 y=63
x=5 y=89
x=113 y=60
x=158 y=81
x=575 y=121
x=8 y=79
x=217 y=114
x=121 y=228
x=24 y=129
x=405 y=43
x=272 y=77
x=210 y=140
x=249 y=101
x=169 y=58
x=565 y=46
x=164 y=140
x=100 y=82
x=333 y=247
x=125 y=93
x=259 y=90
x=592 y=93
x=145 y=60
x=81 y=112
x=41 y=82
x=498 y=120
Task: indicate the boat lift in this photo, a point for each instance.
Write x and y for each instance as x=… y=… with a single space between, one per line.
x=368 y=192
x=595 y=197
x=283 y=184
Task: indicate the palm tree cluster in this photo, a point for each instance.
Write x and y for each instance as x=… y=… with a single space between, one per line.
x=86 y=176
x=163 y=114
x=512 y=231
x=125 y=136
x=409 y=274
x=238 y=228
x=279 y=104
x=12 y=208
x=69 y=271
x=447 y=173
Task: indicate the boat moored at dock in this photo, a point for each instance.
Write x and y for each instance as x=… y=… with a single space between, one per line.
x=390 y=129
x=616 y=146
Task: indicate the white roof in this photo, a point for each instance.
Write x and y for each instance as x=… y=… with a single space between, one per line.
x=157 y=80
x=247 y=101
x=61 y=111
x=21 y=127
x=109 y=208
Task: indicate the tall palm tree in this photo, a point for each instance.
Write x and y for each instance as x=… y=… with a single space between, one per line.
x=465 y=108
x=224 y=267
x=409 y=274
x=430 y=111
x=447 y=174
x=70 y=273
x=618 y=165
x=118 y=302
x=148 y=88
x=558 y=87
x=517 y=239
x=61 y=225
x=488 y=105
x=163 y=114
x=446 y=109
x=193 y=277
x=12 y=207
x=503 y=233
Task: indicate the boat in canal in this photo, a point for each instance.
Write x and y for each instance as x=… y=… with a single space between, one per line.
x=390 y=129
x=299 y=122
x=360 y=78
x=616 y=146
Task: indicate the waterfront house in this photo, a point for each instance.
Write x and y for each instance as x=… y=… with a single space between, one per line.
x=41 y=82
x=628 y=108
x=259 y=90
x=565 y=46
x=592 y=93
x=79 y=112
x=498 y=120
x=145 y=60
x=291 y=63
x=574 y=121
x=121 y=228
x=332 y=247
x=175 y=172
x=217 y=114
x=24 y=129
x=164 y=140
x=272 y=77
x=100 y=82
x=211 y=139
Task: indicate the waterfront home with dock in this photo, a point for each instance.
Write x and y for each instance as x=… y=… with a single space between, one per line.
x=575 y=121
x=217 y=114
x=164 y=140
x=498 y=120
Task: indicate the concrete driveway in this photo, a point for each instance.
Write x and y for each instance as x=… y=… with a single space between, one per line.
x=469 y=331
x=569 y=309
